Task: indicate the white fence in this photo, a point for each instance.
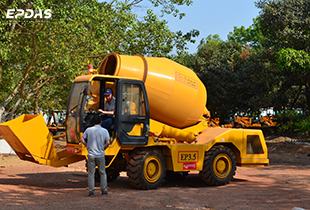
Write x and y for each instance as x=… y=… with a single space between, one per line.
x=5 y=148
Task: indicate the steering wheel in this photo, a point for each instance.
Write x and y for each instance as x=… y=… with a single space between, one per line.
x=94 y=111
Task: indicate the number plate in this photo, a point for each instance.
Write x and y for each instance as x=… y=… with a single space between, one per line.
x=188 y=156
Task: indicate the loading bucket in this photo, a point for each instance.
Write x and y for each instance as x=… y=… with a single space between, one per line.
x=31 y=140
x=29 y=137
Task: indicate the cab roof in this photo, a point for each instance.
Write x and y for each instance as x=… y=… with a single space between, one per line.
x=85 y=78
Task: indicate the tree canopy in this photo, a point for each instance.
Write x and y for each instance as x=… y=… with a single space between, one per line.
x=285 y=24
x=235 y=77
x=264 y=65
x=41 y=57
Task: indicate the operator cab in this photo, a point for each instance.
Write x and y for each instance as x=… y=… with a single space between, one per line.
x=131 y=114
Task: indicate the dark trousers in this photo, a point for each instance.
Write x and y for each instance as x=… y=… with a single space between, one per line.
x=107 y=122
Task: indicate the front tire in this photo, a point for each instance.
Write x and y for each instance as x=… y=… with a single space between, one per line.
x=146 y=168
x=219 y=166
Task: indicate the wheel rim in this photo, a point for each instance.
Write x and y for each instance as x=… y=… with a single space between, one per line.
x=152 y=169
x=222 y=165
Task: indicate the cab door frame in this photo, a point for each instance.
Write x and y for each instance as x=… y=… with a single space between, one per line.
x=127 y=120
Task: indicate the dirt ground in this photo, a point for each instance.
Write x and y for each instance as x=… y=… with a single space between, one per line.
x=284 y=184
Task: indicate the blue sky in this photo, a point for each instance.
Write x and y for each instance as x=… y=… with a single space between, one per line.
x=213 y=17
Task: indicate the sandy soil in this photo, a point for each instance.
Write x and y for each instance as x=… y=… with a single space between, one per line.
x=284 y=184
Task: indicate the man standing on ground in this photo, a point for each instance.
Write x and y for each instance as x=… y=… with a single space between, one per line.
x=96 y=139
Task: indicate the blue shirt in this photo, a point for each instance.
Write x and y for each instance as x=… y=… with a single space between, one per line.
x=96 y=137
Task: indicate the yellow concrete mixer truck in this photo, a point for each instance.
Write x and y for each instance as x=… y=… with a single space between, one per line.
x=160 y=126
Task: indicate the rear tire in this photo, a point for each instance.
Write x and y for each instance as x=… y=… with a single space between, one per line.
x=146 y=168
x=219 y=166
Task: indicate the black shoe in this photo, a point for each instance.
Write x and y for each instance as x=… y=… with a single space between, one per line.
x=104 y=193
x=91 y=194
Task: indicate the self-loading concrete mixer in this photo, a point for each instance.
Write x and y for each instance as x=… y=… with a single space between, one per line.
x=160 y=128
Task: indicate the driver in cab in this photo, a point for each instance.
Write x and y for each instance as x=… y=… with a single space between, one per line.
x=108 y=112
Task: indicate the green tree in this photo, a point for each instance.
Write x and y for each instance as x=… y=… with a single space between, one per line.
x=214 y=63
x=251 y=36
x=41 y=57
x=167 y=6
x=281 y=85
x=235 y=76
x=285 y=24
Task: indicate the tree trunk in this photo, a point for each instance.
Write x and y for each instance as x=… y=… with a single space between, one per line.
x=308 y=92
x=12 y=111
x=36 y=108
x=2 y=114
x=297 y=96
x=12 y=95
